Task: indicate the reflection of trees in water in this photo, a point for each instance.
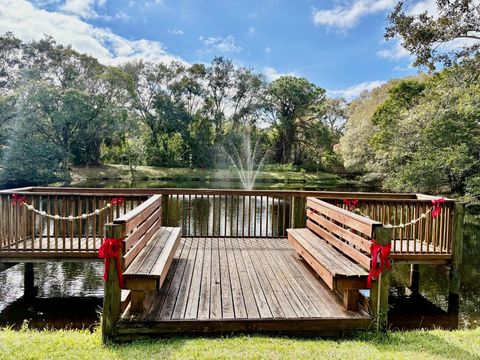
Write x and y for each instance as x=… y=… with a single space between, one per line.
x=69 y=279
x=230 y=216
x=11 y=283
x=434 y=282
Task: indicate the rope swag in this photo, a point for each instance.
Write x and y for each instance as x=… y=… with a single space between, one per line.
x=21 y=201
x=435 y=210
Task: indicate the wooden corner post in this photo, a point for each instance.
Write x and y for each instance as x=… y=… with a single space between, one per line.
x=457 y=255
x=298 y=214
x=165 y=220
x=112 y=290
x=379 y=290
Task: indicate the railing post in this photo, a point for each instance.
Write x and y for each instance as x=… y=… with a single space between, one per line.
x=379 y=290
x=298 y=215
x=165 y=219
x=457 y=255
x=112 y=291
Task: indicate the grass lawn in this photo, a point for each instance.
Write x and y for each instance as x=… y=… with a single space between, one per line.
x=434 y=344
x=116 y=172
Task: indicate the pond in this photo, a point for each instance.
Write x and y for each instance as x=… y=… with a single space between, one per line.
x=70 y=294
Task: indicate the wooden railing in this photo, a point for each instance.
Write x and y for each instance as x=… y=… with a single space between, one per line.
x=24 y=230
x=432 y=235
x=215 y=213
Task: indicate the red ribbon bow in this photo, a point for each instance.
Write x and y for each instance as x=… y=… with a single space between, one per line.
x=110 y=249
x=380 y=260
x=351 y=204
x=116 y=201
x=18 y=199
x=437 y=206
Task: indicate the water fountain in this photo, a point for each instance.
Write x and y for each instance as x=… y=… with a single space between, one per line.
x=246 y=161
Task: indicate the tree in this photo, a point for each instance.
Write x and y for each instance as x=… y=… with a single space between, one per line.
x=431 y=38
x=438 y=147
x=158 y=101
x=334 y=115
x=291 y=101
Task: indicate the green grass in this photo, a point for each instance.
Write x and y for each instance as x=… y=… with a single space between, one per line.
x=117 y=172
x=434 y=344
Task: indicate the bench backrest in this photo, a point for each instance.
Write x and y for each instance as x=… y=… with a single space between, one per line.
x=347 y=232
x=140 y=224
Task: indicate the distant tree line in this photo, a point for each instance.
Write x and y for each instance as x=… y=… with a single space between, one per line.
x=60 y=108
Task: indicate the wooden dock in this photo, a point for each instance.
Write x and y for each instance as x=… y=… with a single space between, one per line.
x=233 y=269
x=224 y=285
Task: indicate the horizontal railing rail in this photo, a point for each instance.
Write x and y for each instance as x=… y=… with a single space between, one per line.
x=213 y=213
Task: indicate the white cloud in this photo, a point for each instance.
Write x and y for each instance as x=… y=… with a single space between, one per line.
x=268 y=50
x=355 y=90
x=28 y=22
x=429 y=6
x=251 y=30
x=220 y=44
x=82 y=8
x=396 y=52
x=272 y=74
x=346 y=17
x=178 y=32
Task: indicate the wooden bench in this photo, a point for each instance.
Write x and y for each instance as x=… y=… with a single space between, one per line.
x=336 y=244
x=148 y=250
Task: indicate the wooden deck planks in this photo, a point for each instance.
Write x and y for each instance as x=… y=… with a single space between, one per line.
x=241 y=279
x=240 y=310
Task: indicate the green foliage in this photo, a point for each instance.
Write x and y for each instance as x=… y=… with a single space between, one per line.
x=424 y=136
x=293 y=102
x=427 y=36
x=355 y=146
x=387 y=116
x=472 y=192
x=29 y=160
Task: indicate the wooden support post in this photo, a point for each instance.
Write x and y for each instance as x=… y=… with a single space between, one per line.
x=112 y=293
x=379 y=290
x=351 y=299
x=415 y=279
x=298 y=212
x=457 y=255
x=165 y=219
x=28 y=281
x=137 y=297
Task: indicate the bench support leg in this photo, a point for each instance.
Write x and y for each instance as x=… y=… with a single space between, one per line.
x=137 y=297
x=351 y=299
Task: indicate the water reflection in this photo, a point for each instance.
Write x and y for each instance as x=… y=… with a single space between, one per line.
x=209 y=215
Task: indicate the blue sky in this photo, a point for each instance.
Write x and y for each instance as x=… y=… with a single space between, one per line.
x=337 y=45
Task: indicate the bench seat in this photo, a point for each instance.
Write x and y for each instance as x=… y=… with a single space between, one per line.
x=336 y=244
x=149 y=269
x=338 y=271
